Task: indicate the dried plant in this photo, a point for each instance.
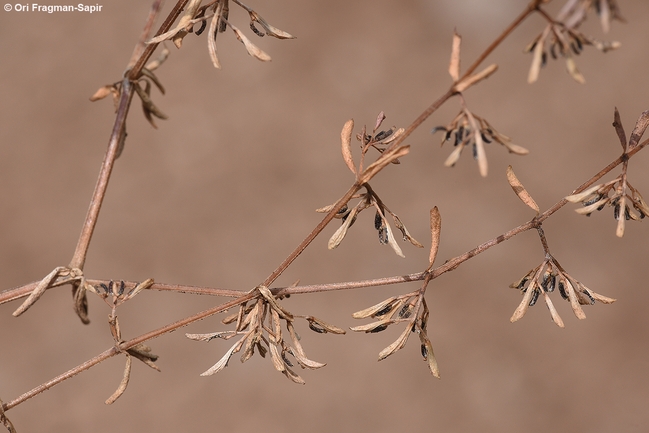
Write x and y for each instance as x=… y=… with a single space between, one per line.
x=261 y=324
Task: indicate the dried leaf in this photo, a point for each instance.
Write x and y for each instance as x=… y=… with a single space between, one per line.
x=270 y=30
x=326 y=326
x=525 y=303
x=299 y=353
x=371 y=311
x=162 y=57
x=346 y=141
x=123 y=384
x=102 y=92
x=404 y=231
x=621 y=218
x=139 y=287
x=639 y=129
x=574 y=302
x=476 y=78
x=226 y=335
x=435 y=230
x=379 y=120
x=211 y=36
x=398 y=344
x=581 y=196
x=252 y=49
x=373 y=327
x=278 y=362
x=520 y=190
x=306 y=362
x=553 y=311
x=339 y=234
x=223 y=362
x=573 y=71
x=454 y=66
x=181 y=30
x=266 y=293
x=619 y=129
x=429 y=355
x=392 y=241
x=386 y=158
x=293 y=376
x=38 y=291
x=454 y=156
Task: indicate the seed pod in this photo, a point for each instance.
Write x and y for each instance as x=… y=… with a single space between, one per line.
x=383 y=236
x=562 y=290
x=458 y=135
x=120 y=291
x=378 y=220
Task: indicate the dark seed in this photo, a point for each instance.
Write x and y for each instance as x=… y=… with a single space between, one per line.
x=424 y=351
x=458 y=135
x=485 y=138
x=286 y=361
x=202 y=28
x=589 y=296
x=120 y=291
x=256 y=30
x=553 y=52
x=405 y=311
x=317 y=328
x=562 y=290
x=105 y=287
x=544 y=59
x=535 y=297
x=383 y=311
x=616 y=212
x=378 y=221
x=383 y=134
x=378 y=329
x=592 y=200
x=552 y=281
x=522 y=283
x=383 y=235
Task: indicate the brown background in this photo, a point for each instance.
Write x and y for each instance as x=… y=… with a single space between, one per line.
x=224 y=189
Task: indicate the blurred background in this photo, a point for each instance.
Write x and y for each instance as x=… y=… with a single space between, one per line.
x=227 y=187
